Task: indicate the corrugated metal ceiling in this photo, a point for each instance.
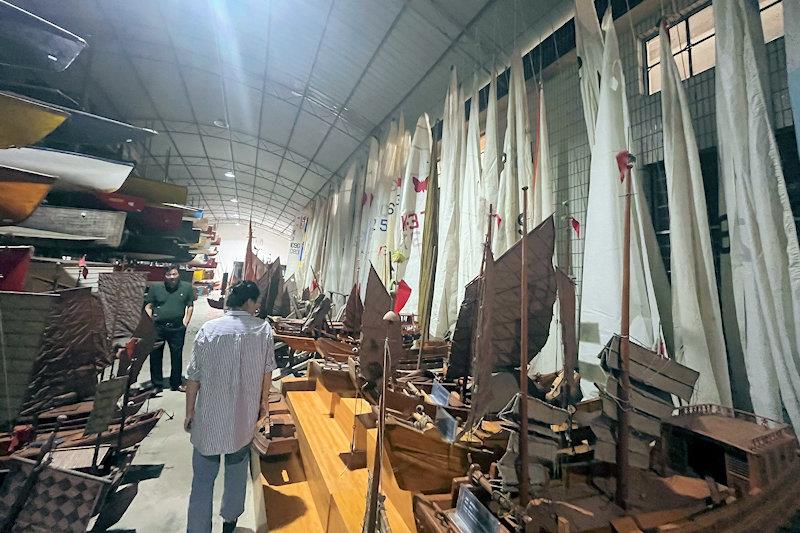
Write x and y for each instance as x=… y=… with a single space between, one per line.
x=279 y=92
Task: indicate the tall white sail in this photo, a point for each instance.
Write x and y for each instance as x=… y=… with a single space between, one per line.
x=589 y=44
x=371 y=211
x=550 y=359
x=602 y=268
x=697 y=321
x=414 y=191
x=313 y=252
x=791 y=33
x=518 y=169
x=544 y=198
x=765 y=258
x=473 y=220
x=492 y=161
x=445 y=292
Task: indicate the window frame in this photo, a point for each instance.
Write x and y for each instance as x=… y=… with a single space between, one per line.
x=690 y=44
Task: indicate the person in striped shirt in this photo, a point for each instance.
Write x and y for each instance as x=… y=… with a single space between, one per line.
x=227 y=391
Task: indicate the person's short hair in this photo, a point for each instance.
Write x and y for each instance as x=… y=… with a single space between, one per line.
x=242 y=291
x=170 y=268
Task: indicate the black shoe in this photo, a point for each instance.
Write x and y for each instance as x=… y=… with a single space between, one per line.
x=228 y=527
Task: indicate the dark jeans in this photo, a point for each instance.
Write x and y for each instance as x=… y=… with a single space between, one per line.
x=174 y=337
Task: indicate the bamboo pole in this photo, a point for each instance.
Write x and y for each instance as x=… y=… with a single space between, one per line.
x=623 y=429
x=524 y=482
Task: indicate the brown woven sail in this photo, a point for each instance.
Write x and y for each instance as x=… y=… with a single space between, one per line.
x=377 y=303
x=353 y=311
x=73 y=350
x=459 y=359
x=24 y=318
x=541 y=296
x=270 y=292
x=122 y=294
x=483 y=355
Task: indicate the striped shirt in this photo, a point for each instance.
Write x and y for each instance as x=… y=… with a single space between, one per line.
x=231 y=354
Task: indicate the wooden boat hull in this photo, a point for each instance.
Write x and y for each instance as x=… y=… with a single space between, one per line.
x=21 y=193
x=298 y=344
x=106 y=227
x=136 y=429
x=423 y=462
x=72 y=169
x=153 y=191
x=26 y=121
x=14 y=263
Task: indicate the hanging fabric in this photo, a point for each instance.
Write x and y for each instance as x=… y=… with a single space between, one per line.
x=544 y=203
x=351 y=229
x=697 y=321
x=445 y=294
x=313 y=253
x=602 y=270
x=492 y=157
x=430 y=241
x=369 y=220
x=414 y=193
x=473 y=220
x=589 y=45
x=518 y=169
x=764 y=254
x=791 y=38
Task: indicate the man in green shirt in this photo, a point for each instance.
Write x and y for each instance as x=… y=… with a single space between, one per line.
x=171 y=304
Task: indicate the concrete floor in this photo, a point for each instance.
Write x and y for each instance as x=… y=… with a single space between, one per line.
x=161 y=504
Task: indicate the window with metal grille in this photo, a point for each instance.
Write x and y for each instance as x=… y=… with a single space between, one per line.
x=693 y=40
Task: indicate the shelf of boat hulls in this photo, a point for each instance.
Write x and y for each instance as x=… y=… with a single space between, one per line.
x=324 y=422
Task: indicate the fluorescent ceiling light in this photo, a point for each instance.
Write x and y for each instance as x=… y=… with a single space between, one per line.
x=234 y=200
x=230 y=174
x=220 y=123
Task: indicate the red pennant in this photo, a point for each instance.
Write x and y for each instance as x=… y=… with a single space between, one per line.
x=420 y=186
x=403 y=293
x=576 y=226
x=314 y=285
x=624 y=163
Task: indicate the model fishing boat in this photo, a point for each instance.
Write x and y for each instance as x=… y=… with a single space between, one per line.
x=21 y=192
x=489 y=309
x=105 y=227
x=72 y=169
x=30 y=41
x=279 y=438
x=155 y=192
x=26 y=121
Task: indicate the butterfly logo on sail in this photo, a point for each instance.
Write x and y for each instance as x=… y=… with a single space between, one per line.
x=420 y=186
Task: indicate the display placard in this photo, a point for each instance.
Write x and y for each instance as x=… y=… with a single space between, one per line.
x=440 y=395
x=471 y=515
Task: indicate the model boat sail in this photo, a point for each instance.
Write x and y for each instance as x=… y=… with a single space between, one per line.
x=506 y=315
x=374 y=331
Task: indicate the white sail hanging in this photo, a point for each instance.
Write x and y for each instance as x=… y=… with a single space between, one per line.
x=369 y=214
x=312 y=256
x=544 y=204
x=589 y=45
x=602 y=270
x=697 y=321
x=472 y=232
x=765 y=258
x=347 y=208
x=382 y=202
x=791 y=33
x=445 y=291
x=408 y=245
x=544 y=198
x=490 y=167
x=518 y=169
x=396 y=166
